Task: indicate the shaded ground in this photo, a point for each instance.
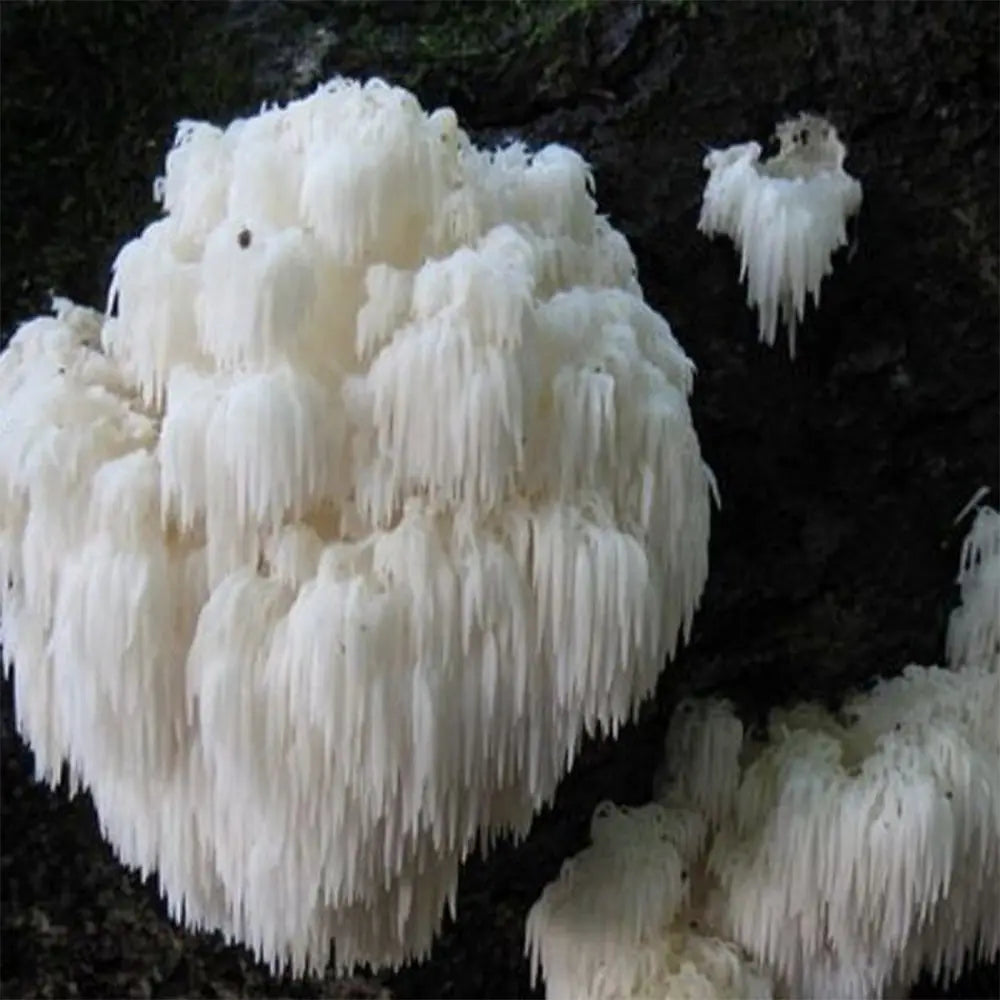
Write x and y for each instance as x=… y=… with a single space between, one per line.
x=841 y=473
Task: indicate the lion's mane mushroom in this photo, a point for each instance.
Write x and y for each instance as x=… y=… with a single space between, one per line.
x=787 y=215
x=373 y=492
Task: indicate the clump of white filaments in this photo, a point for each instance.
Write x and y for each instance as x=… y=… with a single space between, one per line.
x=839 y=855
x=786 y=215
x=974 y=626
x=373 y=492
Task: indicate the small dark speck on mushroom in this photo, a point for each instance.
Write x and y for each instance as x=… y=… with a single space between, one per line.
x=244 y=238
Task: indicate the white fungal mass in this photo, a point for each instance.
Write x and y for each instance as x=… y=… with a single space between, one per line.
x=834 y=855
x=375 y=489
x=786 y=215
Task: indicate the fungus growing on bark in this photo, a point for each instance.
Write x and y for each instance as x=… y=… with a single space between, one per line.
x=837 y=857
x=786 y=215
x=326 y=546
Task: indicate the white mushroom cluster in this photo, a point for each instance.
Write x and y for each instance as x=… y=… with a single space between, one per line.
x=835 y=855
x=787 y=215
x=373 y=491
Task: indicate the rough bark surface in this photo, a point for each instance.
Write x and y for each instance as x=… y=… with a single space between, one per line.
x=834 y=552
